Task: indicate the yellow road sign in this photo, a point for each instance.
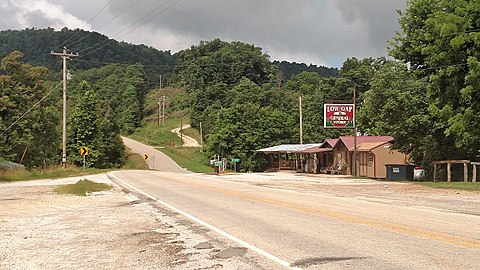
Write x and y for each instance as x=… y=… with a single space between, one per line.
x=84 y=151
x=145 y=156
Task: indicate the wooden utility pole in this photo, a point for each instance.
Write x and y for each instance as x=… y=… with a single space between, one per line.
x=163 y=110
x=181 y=131
x=301 y=119
x=160 y=103
x=355 y=132
x=64 y=56
x=201 y=137
x=159 y=110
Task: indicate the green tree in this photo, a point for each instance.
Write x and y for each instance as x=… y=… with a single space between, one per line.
x=217 y=61
x=123 y=87
x=91 y=124
x=244 y=128
x=395 y=105
x=440 y=41
x=21 y=87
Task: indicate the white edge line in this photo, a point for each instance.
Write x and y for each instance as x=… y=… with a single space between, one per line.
x=211 y=227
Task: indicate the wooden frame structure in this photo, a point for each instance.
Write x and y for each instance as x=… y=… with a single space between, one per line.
x=449 y=169
x=475 y=164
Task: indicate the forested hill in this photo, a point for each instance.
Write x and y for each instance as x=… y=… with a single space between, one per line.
x=288 y=70
x=95 y=49
x=98 y=50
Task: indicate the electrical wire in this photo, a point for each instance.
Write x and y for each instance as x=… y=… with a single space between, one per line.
x=109 y=41
x=89 y=21
x=29 y=110
x=105 y=24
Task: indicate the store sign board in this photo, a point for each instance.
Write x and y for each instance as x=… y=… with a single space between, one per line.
x=338 y=115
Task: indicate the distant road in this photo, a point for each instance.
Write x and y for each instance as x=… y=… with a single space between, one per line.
x=187 y=140
x=156 y=159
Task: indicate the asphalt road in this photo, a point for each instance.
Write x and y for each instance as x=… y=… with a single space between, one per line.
x=156 y=159
x=288 y=229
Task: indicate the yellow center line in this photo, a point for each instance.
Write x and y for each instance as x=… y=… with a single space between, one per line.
x=442 y=237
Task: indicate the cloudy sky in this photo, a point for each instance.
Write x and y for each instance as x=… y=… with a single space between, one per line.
x=322 y=32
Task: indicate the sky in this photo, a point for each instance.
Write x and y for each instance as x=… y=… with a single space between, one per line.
x=320 y=32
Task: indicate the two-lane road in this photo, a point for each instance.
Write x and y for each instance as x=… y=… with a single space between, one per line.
x=316 y=231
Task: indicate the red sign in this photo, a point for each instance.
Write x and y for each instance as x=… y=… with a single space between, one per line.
x=338 y=115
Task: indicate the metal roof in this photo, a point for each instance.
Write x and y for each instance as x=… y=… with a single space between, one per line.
x=314 y=150
x=288 y=148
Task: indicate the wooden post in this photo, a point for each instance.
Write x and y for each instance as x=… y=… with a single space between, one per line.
x=279 y=158
x=465 y=172
x=474 y=178
x=449 y=172
x=434 y=171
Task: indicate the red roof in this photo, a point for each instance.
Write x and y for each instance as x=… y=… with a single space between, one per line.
x=349 y=140
x=331 y=142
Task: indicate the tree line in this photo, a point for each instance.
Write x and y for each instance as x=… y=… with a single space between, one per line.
x=427 y=97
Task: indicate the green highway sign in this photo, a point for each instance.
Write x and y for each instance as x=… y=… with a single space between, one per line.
x=235 y=160
x=218 y=163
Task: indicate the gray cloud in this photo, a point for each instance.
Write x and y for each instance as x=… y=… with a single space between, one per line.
x=311 y=31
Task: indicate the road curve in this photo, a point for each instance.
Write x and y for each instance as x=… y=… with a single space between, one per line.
x=187 y=140
x=156 y=159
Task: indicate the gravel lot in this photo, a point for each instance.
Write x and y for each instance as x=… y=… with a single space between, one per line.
x=108 y=230
x=116 y=230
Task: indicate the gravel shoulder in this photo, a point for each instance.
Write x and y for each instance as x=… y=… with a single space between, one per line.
x=108 y=230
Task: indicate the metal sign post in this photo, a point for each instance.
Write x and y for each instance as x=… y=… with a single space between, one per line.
x=145 y=157
x=84 y=153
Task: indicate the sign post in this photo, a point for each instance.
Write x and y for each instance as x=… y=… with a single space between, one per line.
x=145 y=157
x=84 y=153
x=235 y=161
x=342 y=116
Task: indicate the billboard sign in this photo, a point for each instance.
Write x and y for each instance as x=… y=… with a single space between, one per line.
x=338 y=115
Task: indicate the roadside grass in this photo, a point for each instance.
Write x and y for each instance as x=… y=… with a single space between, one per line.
x=133 y=162
x=50 y=173
x=188 y=157
x=155 y=135
x=452 y=185
x=82 y=188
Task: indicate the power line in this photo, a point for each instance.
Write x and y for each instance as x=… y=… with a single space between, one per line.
x=35 y=105
x=89 y=21
x=112 y=40
x=105 y=24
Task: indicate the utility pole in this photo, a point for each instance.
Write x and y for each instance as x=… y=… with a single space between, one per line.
x=301 y=119
x=64 y=56
x=201 y=137
x=355 y=171
x=163 y=110
x=159 y=110
x=159 y=101
x=181 y=131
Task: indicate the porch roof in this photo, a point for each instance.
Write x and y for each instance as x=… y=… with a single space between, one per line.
x=314 y=150
x=288 y=148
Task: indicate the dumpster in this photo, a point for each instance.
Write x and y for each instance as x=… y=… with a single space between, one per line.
x=400 y=171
